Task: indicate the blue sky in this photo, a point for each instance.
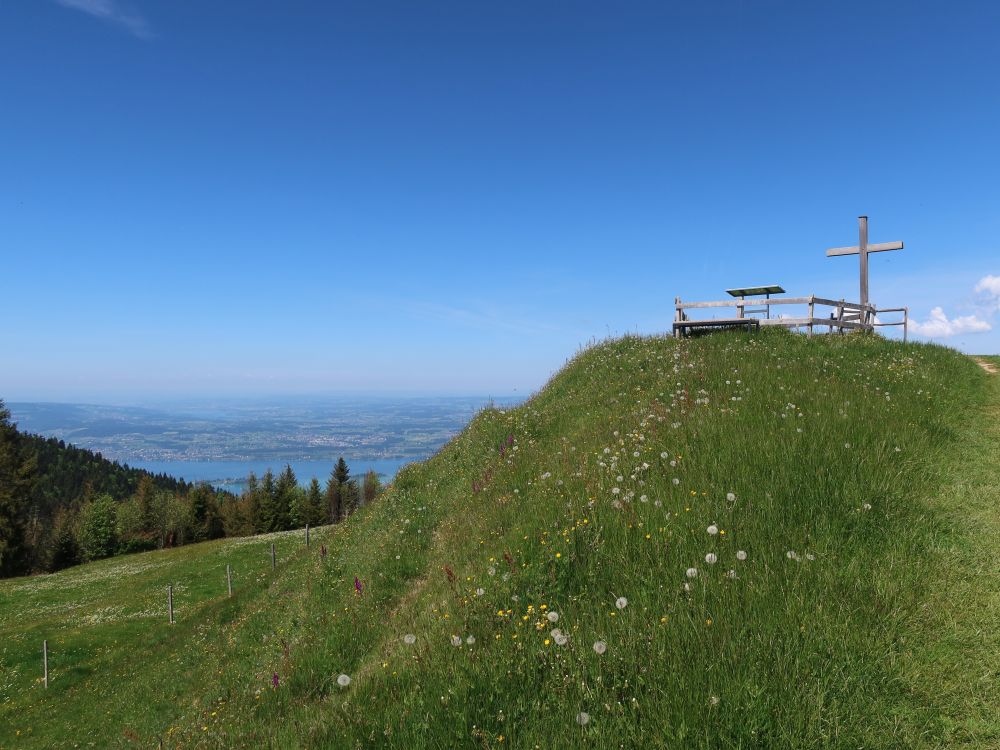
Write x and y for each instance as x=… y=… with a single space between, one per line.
x=452 y=197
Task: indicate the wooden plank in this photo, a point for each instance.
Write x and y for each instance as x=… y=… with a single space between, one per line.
x=716 y=323
x=837 y=303
x=787 y=322
x=877 y=247
x=695 y=305
x=744 y=303
x=795 y=322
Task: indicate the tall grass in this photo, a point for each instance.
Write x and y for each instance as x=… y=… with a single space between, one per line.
x=739 y=520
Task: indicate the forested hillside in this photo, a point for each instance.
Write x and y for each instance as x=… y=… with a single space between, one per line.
x=61 y=505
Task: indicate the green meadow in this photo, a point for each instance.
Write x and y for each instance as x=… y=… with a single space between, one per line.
x=737 y=541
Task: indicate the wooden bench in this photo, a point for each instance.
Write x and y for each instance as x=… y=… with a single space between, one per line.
x=695 y=327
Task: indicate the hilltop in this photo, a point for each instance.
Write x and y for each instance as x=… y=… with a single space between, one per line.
x=736 y=541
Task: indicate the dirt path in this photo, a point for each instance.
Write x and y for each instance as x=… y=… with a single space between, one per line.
x=988 y=366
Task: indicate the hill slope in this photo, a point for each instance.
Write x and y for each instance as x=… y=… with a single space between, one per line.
x=736 y=538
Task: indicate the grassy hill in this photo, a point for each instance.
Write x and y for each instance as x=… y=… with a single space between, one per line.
x=739 y=542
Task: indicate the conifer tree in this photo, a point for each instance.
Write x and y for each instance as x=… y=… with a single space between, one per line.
x=16 y=479
x=341 y=472
x=251 y=504
x=314 y=511
x=270 y=517
x=350 y=497
x=285 y=492
x=63 y=550
x=333 y=507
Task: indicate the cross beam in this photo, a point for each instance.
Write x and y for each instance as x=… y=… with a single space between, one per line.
x=862 y=249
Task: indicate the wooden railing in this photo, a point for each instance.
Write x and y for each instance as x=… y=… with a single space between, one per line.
x=844 y=316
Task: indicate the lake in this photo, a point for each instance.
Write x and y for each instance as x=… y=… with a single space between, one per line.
x=232 y=475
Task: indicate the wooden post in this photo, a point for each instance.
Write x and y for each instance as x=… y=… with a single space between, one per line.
x=170 y=604
x=812 y=313
x=45 y=662
x=739 y=307
x=307 y=535
x=229 y=580
x=863 y=252
x=677 y=317
x=272 y=556
x=906 y=322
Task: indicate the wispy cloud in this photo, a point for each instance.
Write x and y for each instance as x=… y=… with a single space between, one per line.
x=989 y=288
x=111 y=12
x=939 y=325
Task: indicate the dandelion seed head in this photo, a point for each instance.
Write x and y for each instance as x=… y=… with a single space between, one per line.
x=409 y=639
x=712 y=530
x=553 y=616
x=600 y=647
x=711 y=558
x=583 y=718
x=343 y=680
x=692 y=573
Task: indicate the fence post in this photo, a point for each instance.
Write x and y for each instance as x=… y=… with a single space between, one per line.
x=229 y=580
x=307 y=535
x=45 y=662
x=170 y=603
x=812 y=312
x=272 y=555
x=677 y=317
x=906 y=322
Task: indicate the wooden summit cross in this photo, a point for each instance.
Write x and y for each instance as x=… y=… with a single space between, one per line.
x=862 y=249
